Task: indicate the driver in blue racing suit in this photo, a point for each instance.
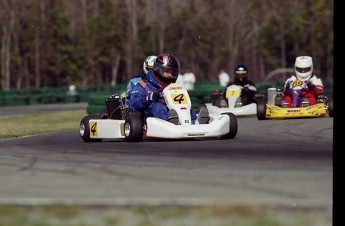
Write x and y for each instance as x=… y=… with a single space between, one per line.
x=146 y=96
x=147 y=65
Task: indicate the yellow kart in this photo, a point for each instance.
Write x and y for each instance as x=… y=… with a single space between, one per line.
x=274 y=108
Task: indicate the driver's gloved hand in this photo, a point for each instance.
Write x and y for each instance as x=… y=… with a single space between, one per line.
x=310 y=85
x=300 y=92
x=245 y=90
x=153 y=96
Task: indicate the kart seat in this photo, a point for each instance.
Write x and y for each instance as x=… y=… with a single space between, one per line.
x=203 y=116
x=304 y=102
x=173 y=117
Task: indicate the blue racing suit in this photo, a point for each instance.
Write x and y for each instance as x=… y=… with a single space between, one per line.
x=140 y=99
x=132 y=82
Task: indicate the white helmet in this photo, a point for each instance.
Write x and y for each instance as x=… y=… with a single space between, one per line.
x=148 y=63
x=304 y=67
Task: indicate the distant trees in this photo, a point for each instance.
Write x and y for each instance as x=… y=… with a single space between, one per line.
x=85 y=42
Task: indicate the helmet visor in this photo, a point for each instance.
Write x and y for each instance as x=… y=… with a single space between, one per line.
x=169 y=74
x=303 y=70
x=241 y=74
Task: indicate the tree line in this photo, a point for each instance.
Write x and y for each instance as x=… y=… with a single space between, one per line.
x=96 y=42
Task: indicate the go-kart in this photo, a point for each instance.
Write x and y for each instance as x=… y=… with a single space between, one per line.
x=232 y=103
x=115 y=121
x=275 y=108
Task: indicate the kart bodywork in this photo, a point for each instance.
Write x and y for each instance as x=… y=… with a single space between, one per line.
x=232 y=103
x=277 y=109
x=117 y=122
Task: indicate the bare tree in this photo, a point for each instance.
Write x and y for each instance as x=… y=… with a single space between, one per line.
x=207 y=35
x=7 y=25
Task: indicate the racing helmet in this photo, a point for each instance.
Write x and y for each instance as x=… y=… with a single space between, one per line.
x=241 y=72
x=303 y=67
x=148 y=63
x=166 y=68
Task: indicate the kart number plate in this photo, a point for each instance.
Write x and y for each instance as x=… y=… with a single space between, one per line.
x=230 y=93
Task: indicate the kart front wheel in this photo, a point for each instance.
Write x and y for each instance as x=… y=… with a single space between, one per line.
x=134 y=128
x=84 y=129
x=233 y=126
x=261 y=109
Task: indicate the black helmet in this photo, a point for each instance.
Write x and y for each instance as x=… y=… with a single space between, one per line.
x=167 y=63
x=241 y=71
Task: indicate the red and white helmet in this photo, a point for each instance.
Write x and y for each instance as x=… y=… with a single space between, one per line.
x=167 y=63
x=304 y=67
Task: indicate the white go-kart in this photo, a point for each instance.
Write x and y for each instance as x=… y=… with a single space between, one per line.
x=232 y=103
x=116 y=122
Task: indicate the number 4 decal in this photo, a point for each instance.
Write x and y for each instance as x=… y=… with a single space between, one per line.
x=94 y=129
x=179 y=98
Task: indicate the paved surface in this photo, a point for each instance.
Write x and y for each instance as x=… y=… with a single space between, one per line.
x=272 y=162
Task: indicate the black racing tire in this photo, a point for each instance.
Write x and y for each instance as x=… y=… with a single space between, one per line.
x=134 y=128
x=258 y=98
x=233 y=126
x=261 y=109
x=84 y=129
x=103 y=113
x=330 y=108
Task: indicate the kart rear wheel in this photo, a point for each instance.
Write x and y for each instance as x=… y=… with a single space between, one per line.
x=84 y=129
x=330 y=108
x=261 y=109
x=134 y=128
x=233 y=126
x=258 y=97
x=103 y=113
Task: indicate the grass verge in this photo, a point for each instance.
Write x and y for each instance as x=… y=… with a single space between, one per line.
x=213 y=215
x=17 y=126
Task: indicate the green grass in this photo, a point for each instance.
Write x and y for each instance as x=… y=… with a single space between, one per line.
x=17 y=126
x=212 y=215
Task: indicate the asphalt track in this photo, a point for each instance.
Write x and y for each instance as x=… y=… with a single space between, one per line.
x=272 y=162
